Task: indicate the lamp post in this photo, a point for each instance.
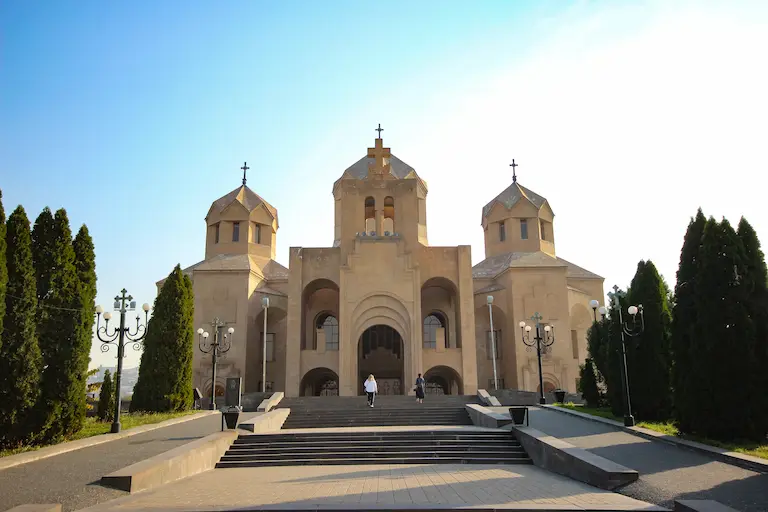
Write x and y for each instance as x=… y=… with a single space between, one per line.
x=545 y=340
x=265 y=305
x=215 y=348
x=597 y=308
x=632 y=330
x=489 y=299
x=120 y=337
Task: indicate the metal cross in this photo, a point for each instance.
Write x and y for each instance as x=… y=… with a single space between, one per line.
x=514 y=176
x=379 y=129
x=244 y=168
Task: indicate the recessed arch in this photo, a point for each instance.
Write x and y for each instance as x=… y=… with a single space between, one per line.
x=440 y=295
x=318 y=296
x=443 y=380
x=319 y=381
x=389 y=214
x=381 y=352
x=433 y=321
x=370 y=214
x=551 y=383
x=329 y=324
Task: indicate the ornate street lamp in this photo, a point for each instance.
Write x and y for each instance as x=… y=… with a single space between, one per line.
x=215 y=348
x=120 y=337
x=632 y=330
x=489 y=299
x=544 y=338
x=596 y=308
x=265 y=305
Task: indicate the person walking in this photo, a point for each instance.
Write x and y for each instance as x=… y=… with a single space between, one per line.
x=420 y=384
x=371 y=388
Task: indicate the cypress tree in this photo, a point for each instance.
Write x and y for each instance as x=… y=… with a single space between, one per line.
x=106 y=409
x=165 y=372
x=756 y=281
x=649 y=354
x=65 y=357
x=85 y=266
x=684 y=320
x=20 y=359
x=723 y=349
x=3 y=269
x=45 y=261
x=588 y=386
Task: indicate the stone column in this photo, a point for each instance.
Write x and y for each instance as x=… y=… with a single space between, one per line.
x=347 y=346
x=380 y=222
x=466 y=302
x=293 y=338
x=414 y=361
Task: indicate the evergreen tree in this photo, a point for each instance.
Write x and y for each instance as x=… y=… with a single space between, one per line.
x=684 y=320
x=45 y=261
x=588 y=384
x=756 y=281
x=85 y=266
x=723 y=349
x=648 y=354
x=3 y=269
x=65 y=356
x=20 y=360
x=106 y=410
x=165 y=372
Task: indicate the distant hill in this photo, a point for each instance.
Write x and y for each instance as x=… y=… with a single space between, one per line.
x=127 y=382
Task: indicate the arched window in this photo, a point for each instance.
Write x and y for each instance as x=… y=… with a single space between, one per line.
x=431 y=323
x=370 y=214
x=389 y=214
x=330 y=325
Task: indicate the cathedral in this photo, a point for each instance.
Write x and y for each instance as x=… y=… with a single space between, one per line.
x=380 y=300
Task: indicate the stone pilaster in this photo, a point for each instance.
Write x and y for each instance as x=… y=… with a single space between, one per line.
x=467 y=310
x=293 y=338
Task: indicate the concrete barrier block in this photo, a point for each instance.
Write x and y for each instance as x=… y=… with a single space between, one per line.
x=270 y=403
x=265 y=421
x=488 y=399
x=484 y=417
x=186 y=460
x=701 y=506
x=563 y=458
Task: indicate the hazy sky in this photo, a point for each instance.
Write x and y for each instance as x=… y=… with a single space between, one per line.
x=626 y=116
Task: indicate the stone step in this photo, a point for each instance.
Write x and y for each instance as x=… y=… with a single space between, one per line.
x=396 y=454
x=366 y=440
x=380 y=451
x=374 y=460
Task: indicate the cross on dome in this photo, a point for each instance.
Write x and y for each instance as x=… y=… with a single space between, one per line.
x=514 y=175
x=380 y=165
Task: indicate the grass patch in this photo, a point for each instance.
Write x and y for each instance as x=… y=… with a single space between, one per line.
x=669 y=428
x=94 y=427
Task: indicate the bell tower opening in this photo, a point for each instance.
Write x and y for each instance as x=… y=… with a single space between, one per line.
x=380 y=353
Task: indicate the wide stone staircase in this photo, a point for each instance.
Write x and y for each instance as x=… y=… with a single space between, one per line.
x=364 y=447
x=353 y=411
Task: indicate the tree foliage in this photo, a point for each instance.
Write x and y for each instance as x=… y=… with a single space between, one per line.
x=3 y=269
x=165 y=372
x=588 y=384
x=648 y=354
x=20 y=359
x=61 y=333
x=106 y=409
x=684 y=320
x=46 y=262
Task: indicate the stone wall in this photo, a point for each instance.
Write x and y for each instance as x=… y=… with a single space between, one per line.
x=519 y=397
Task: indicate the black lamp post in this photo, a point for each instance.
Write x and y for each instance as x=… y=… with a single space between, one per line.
x=120 y=337
x=544 y=338
x=631 y=329
x=217 y=347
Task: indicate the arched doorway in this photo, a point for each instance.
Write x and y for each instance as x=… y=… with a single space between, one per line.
x=443 y=380
x=549 y=386
x=320 y=382
x=380 y=352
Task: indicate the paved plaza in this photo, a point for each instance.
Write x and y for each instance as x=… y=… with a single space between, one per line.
x=376 y=487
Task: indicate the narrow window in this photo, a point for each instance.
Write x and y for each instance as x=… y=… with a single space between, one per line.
x=331 y=328
x=500 y=382
x=235 y=231
x=543 y=230
x=270 y=345
x=216 y=234
x=575 y=344
x=524 y=229
x=389 y=214
x=256 y=238
x=496 y=342
x=502 y=232
x=431 y=324
x=370 y=214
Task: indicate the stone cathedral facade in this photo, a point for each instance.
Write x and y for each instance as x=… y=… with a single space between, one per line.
x=381 y=300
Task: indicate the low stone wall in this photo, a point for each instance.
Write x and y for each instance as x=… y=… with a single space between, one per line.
x=265 y=421
x=520 y=397
x=35 y=507
x=251 y=401
x=483 y=417
x=701 y=506
x=487 y=399
x=186 y=460
x=268 y=404
x=555 y=455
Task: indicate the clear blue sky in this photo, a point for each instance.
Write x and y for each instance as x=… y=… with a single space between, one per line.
x=135 y=116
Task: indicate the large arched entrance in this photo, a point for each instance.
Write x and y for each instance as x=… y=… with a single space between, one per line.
x=320 y=382
x=380 y=352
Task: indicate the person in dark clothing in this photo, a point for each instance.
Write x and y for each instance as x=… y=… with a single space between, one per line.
x=420 y=384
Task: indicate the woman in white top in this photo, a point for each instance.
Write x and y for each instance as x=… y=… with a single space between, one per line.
x=371 y=389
